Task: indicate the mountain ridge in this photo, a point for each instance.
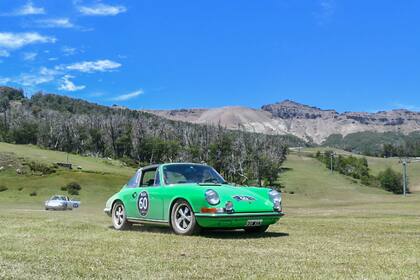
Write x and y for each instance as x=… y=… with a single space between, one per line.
x=290 y=117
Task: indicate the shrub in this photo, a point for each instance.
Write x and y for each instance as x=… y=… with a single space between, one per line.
x=130 y=162
x=3 y=188
x=33 y=194
x=391 y=181
x=72 y=188
x=38 y=167
x=370 y=180
x=20 y=189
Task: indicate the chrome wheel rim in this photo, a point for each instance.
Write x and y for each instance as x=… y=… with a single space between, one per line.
x=119 y=216
x=183 y=217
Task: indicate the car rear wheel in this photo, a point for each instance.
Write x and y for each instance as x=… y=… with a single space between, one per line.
x=119 y=218
x=259 y=229
x=183 y=220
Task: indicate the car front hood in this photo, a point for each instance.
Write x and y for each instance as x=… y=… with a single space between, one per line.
x=244 y=199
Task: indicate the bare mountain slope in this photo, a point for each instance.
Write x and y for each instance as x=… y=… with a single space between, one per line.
x=306 y=122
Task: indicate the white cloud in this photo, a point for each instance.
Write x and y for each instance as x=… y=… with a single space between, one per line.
x=44 y=75
x=4 y=53
x=68 y=85
x=68 y=50
x=29 y=9
x=128 y=96
x=102 y=10
x=29 y=56
x=4 y=80
x=94 y=66
x=326 y=11
x=10 y=40
x=55 y=23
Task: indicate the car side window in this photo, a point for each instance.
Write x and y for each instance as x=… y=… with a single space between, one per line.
x=157 y=179
x=148 y=178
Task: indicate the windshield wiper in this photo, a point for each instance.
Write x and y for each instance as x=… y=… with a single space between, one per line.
x=209 y=184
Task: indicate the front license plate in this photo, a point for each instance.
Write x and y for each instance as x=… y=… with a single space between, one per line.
x=254 y=223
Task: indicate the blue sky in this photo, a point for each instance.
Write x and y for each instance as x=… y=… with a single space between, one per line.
x=346 y=55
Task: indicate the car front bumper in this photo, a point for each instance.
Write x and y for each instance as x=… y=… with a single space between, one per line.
x=107 y=211
x=237 y=220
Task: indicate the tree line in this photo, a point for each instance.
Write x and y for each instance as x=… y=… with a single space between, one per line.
x=138 y=138
x=386 y=144
x=358 y=168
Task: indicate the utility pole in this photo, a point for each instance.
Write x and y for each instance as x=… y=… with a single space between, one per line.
x=405 y=162
x=331 y=162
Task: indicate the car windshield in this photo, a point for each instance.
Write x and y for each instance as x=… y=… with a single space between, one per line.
x=191 y=173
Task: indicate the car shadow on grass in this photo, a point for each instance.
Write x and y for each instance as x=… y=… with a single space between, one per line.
x=240 y=234
x=208 y=233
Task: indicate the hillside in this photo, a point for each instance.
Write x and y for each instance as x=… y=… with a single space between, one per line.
x=99 y=177
x=376 y=164
x=305 y=179
x=138 y=138
x=306 y=122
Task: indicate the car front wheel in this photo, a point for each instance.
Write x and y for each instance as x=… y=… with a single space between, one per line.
x=183 y=220
x=119 y=218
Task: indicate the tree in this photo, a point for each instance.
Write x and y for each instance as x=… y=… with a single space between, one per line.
x=391 y=181
x=26 y=133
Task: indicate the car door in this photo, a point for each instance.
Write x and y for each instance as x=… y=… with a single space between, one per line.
x=149 y=197
x=129 y=195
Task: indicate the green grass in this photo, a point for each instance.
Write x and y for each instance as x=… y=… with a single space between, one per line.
x=86 y=163
x=334 y=229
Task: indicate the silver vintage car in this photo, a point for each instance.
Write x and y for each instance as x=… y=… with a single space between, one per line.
x=61 y=202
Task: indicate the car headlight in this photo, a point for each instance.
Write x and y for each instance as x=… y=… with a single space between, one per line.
x=212 y=197
x=275 y=197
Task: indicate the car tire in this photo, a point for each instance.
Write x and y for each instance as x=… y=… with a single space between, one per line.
x=260 y=229
x=119 y=217
x=183 y=220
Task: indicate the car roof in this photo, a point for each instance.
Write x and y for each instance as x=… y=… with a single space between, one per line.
x=59 y=195
x=153 y=166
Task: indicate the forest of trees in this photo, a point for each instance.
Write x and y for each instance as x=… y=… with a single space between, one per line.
x=138 y=138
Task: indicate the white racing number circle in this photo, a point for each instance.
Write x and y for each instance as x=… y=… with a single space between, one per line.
x=143 y=203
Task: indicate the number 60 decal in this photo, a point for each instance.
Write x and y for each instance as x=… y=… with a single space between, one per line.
x=143 y=203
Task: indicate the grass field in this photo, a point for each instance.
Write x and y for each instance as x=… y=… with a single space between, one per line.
x=334 y=229
x=379 y=164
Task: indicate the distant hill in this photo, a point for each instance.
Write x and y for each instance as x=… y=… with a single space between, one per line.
x=137 y=138
x=306 y=122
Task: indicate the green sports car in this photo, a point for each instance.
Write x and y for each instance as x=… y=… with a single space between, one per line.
x=188 y=197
